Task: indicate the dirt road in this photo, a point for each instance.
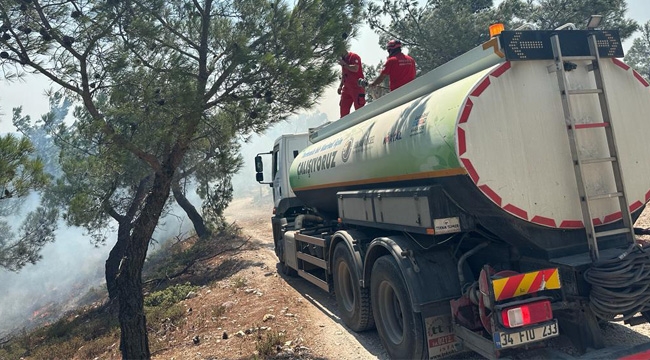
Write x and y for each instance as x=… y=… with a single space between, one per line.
x=322 y=331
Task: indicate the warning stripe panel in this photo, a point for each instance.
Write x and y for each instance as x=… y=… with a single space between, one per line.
x=522 y=284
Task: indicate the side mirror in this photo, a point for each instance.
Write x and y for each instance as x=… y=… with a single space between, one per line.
x=259 y=166
x=259 y=177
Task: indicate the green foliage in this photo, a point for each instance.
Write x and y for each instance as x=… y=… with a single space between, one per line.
x=639 y=54
x=170 y=295
x=166 y=86
x=440 y=30
x=36 y=230
x=545 y=15
x=268 y=343
x=21 y=172
x=84 y=336
x=436 y=32
x=39 y=132
x=239 y=282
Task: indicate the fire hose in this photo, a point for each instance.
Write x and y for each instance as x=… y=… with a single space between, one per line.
x=620 y=287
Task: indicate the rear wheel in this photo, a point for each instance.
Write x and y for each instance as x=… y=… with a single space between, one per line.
x=352 y=300
x=400 y=329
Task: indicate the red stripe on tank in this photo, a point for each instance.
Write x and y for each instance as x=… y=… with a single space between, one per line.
x=466 y=110
x=571 y=224
x=635 y=206
x=597 y=221
x=481 y=87
x=462 y=146
x=620 y=63
x=647 y=196
x=501 y=69
x=543 y=221
x=613 y=217
x=491 y=194
x=516 y=211
x=640 y=78
x=470 y=170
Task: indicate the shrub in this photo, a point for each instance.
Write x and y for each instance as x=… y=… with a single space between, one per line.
x=267 y=346
x=170 y=295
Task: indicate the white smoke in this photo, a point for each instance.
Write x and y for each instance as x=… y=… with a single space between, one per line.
x=72 y=265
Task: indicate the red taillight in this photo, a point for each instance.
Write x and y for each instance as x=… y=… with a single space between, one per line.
x=531 y=313
x=274 y=208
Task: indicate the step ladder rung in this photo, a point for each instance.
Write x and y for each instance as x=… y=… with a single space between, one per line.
x=578 y=58
x=314 y=280
x=584 y=91
x=606 y=196
x=312 y=260
x=612 y=232
x=589 y=126
x=597 y=160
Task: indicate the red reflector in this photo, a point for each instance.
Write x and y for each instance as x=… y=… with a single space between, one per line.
x=527 y=314
x=274 y=210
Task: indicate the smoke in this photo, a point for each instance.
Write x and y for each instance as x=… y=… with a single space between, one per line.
x=244 y=184
x=72 y=266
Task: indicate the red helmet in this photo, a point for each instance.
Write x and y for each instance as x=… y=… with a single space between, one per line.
x=394 y=44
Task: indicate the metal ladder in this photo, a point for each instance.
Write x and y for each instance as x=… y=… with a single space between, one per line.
x=627 y=226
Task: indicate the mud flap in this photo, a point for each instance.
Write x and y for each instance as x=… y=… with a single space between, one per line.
x=441 y=340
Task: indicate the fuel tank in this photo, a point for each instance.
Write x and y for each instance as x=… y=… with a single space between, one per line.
x=497 y=142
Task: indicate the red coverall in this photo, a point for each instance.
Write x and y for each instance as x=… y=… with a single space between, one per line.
x=351 y=92
x=400 y=69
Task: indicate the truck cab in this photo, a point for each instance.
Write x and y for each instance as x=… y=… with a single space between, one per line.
x=285 y=149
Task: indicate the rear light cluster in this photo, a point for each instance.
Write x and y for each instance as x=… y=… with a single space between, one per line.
x=526 y=314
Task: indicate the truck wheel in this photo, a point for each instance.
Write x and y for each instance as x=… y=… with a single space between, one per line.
x=400 y=329
x=353 y=301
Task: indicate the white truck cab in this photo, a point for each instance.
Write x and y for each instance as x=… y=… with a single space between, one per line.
x=285 y=149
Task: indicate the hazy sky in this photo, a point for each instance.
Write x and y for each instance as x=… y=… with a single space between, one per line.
x=29 y=94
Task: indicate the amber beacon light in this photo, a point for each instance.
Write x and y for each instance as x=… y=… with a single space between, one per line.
x=496 y=29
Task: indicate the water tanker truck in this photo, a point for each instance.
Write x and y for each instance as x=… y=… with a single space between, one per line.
x=488 y=205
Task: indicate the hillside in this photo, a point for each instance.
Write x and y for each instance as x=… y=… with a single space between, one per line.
x=226 y=300
x=222 y=300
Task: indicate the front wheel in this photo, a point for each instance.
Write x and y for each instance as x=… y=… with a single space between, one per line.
x=352 y=300
x=400 y=329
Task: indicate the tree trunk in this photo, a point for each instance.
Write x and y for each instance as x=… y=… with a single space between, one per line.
x=112 y=266
x=197 y=220
x=134 y=343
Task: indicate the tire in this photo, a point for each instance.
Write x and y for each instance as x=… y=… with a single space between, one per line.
x=400 y=329
x=352 y=300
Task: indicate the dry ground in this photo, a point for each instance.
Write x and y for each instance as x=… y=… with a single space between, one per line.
x=302 y=312
x=244 y=310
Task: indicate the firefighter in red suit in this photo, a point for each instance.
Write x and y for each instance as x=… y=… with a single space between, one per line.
x=349 y=89
x=399 y=68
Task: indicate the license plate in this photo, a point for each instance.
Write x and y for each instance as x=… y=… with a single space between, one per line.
x=504 y=340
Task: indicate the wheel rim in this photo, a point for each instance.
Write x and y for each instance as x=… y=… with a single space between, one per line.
x=344 y=280
x=390 y=310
